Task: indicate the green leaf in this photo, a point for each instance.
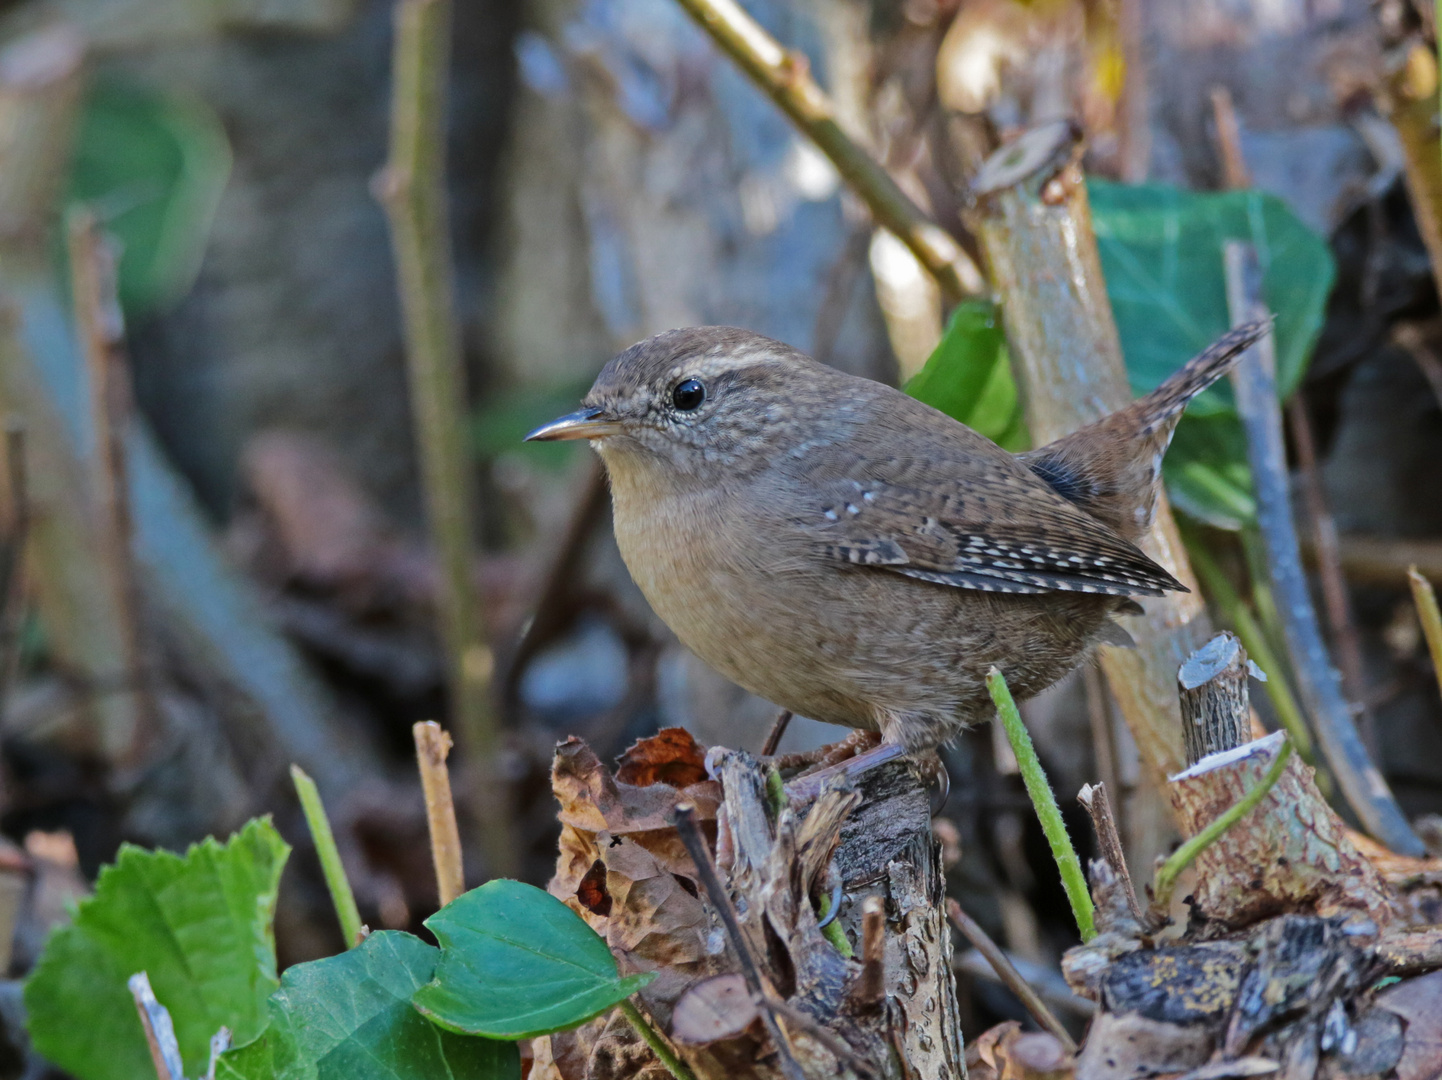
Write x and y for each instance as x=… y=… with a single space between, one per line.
x=154 y=166
x=968 y=376
x=516 y=962
x=1161 y=252
x=199 y=925
x=350 y=1017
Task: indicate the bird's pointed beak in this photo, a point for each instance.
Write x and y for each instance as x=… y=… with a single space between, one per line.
x=588 y=423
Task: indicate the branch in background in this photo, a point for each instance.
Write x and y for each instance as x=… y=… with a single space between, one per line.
x=1236 y=175
x=432 y=747
x=1430 y=617
x=1032 y=218
x=1336 y=602
x=1042 y=798
x=341 y=896
x=1006 y=971
x=1255 y=385
x=12 y=555
x=785 y=77
x=1410 y=101
x=413 y=188
x=101 y=328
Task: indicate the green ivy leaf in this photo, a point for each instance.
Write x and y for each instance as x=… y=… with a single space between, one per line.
x=968 y=376
x=199 y=925
x=516 y=962
x=1161 y=252
x=350 y=1017
x=154 y=165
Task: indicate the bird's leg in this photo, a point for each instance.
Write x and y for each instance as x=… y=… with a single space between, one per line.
x=809 y=784
x=826 y=756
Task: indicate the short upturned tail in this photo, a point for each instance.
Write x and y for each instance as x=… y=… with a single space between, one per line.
x=1167 y=401
x=1112 y=469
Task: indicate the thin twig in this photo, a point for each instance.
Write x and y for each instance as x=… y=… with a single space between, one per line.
x=784 y=77
x=1254 y=381
x=1335 y=601
x=1007 y=973
x=1037 y=786
x=1094 y=798
x=102 y=334
x=1185 y=855
x=1430 y=618
x=1235 y=174
x=219 y=1044
x=871 y=984
x=827 y=1038
x=412 y=186
x=690 y=834
x=336 y=881
x=12 y=556
x=663 y=1050
x=1103 y=729
x=159 y=1030
x=776 y=734
x=432 y=746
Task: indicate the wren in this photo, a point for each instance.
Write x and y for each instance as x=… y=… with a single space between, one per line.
x=852 y=554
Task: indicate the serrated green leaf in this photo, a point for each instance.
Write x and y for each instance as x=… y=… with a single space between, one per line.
x=350 y=1017
x=1161 y=252
x=968 y=376
x=516 y=963
x=154 y=165
x=199 y=925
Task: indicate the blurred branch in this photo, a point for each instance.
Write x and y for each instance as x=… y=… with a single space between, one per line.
x=1430 y=617
x=785 y=77
x=412 y=187
x=1411 y=104
x=101 y=328
x=1254 y=382
x=1033 y=220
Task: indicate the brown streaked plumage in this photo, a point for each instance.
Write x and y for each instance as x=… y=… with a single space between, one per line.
x=856 y=556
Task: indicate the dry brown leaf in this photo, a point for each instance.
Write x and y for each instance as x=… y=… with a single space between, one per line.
x=1126 y=1046
x=1419 y=1003
x=591 y=893
x=720 y=1007
x=654 y=919
x=670 y=757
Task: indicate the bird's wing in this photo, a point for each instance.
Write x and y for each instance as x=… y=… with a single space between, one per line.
x=975 y=522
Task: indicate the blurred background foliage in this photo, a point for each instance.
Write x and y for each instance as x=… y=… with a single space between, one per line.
x=612 y=176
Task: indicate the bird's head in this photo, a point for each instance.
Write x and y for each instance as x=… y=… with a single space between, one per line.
x=696 y=401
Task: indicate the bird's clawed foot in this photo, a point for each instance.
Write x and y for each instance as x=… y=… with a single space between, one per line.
x=824 y=757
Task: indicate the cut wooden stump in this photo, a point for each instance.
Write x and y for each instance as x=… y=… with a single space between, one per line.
x=624 y=868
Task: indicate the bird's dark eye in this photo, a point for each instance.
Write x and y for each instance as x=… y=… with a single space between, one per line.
x=688 y=395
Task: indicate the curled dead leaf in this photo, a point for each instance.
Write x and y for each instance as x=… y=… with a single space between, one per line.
x=670 y=757
x=720 y=1007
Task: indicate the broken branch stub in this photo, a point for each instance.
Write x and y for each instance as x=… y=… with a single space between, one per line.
x=1291 y=853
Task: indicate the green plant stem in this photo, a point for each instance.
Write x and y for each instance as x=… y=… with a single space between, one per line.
x=659 y=1046
x=330 y=864
x=833 y=932
x=784 y=77
x=1185 y=855
x=1047 y=812
x=412 y=188
x=1430 y=617
x=1236 y=612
